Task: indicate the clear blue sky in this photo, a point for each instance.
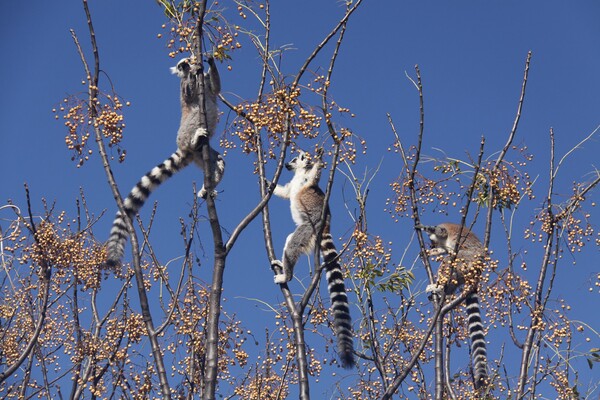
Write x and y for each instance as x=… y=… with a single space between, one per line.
x=471 y=55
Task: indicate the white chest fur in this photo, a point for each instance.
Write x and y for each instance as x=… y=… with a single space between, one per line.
x=297 y=185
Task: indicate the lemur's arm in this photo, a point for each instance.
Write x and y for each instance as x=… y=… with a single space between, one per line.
x=189 y=88
x=213 y=76
x=282 y=191
x=436 y=251
x=314 y=175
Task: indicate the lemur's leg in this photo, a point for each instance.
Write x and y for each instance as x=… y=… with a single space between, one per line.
x=453 y=278
x=213 y=76
x=301 y=241
x=218 y=166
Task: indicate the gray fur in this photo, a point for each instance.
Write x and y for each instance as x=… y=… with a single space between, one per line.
x=306 y=203
x=190 y=138
x=192 y=134
x=301 y=241
x=444 y=238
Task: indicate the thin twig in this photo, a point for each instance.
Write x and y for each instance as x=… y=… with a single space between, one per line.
x=45 y=276
x=536 y=312
x=412 y=175
x=323 y=43
x=577 y=146
x=513 y=131
x=447 y=381
x=399 y=378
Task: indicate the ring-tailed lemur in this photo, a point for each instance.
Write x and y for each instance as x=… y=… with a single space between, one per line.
x=466 y=270
x=306 y=203
x=190 y=138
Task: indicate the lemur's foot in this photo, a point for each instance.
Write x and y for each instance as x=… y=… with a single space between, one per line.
x=434 y=289
x=279 y=278
x=200 y=135
x=203 y=193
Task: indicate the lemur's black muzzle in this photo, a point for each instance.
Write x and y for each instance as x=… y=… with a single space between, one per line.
x=428 y=229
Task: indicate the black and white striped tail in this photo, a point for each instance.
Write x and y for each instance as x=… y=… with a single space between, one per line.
x=339 y=302
x=136 y=199
x=478 y=350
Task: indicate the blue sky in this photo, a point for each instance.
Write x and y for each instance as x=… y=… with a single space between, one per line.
x=471 y=55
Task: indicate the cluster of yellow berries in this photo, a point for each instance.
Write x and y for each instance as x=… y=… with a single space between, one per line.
x=274 y=114
x=68 y=254
x=79 y=122
x=428 y=192
x=505 y=184
x=578 y=232
x=183 y=32
x=110 y=120
x=78 y=134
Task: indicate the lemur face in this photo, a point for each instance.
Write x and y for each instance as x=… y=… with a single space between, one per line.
x=301 y=161
x=437 y=234
x=182 y=68
x=440 y=234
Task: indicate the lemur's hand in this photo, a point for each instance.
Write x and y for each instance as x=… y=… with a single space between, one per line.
x=268 y=183
x=194 y=69
x=210 y=60
x=319 y=153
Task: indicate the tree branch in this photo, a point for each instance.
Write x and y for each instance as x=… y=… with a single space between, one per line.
x=513 y=131
x=44 y=277
x=142 y=295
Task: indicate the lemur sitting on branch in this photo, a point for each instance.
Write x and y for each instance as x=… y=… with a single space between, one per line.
x=465 y=270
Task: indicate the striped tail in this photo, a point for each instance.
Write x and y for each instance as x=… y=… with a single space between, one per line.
x=478 y=350
x=339 y=302
x=115 y=246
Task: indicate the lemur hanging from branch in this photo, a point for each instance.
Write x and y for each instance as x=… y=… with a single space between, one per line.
x=465 y=270
x=306 y=203
x=190 y=137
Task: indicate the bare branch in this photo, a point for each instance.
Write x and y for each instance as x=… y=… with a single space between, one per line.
x=414 y=357
x=513 y=131
x=412 y=175
x=577 y=146
x=324 y=42
x=537 y=311
x=144 y=305
x=44 y=277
